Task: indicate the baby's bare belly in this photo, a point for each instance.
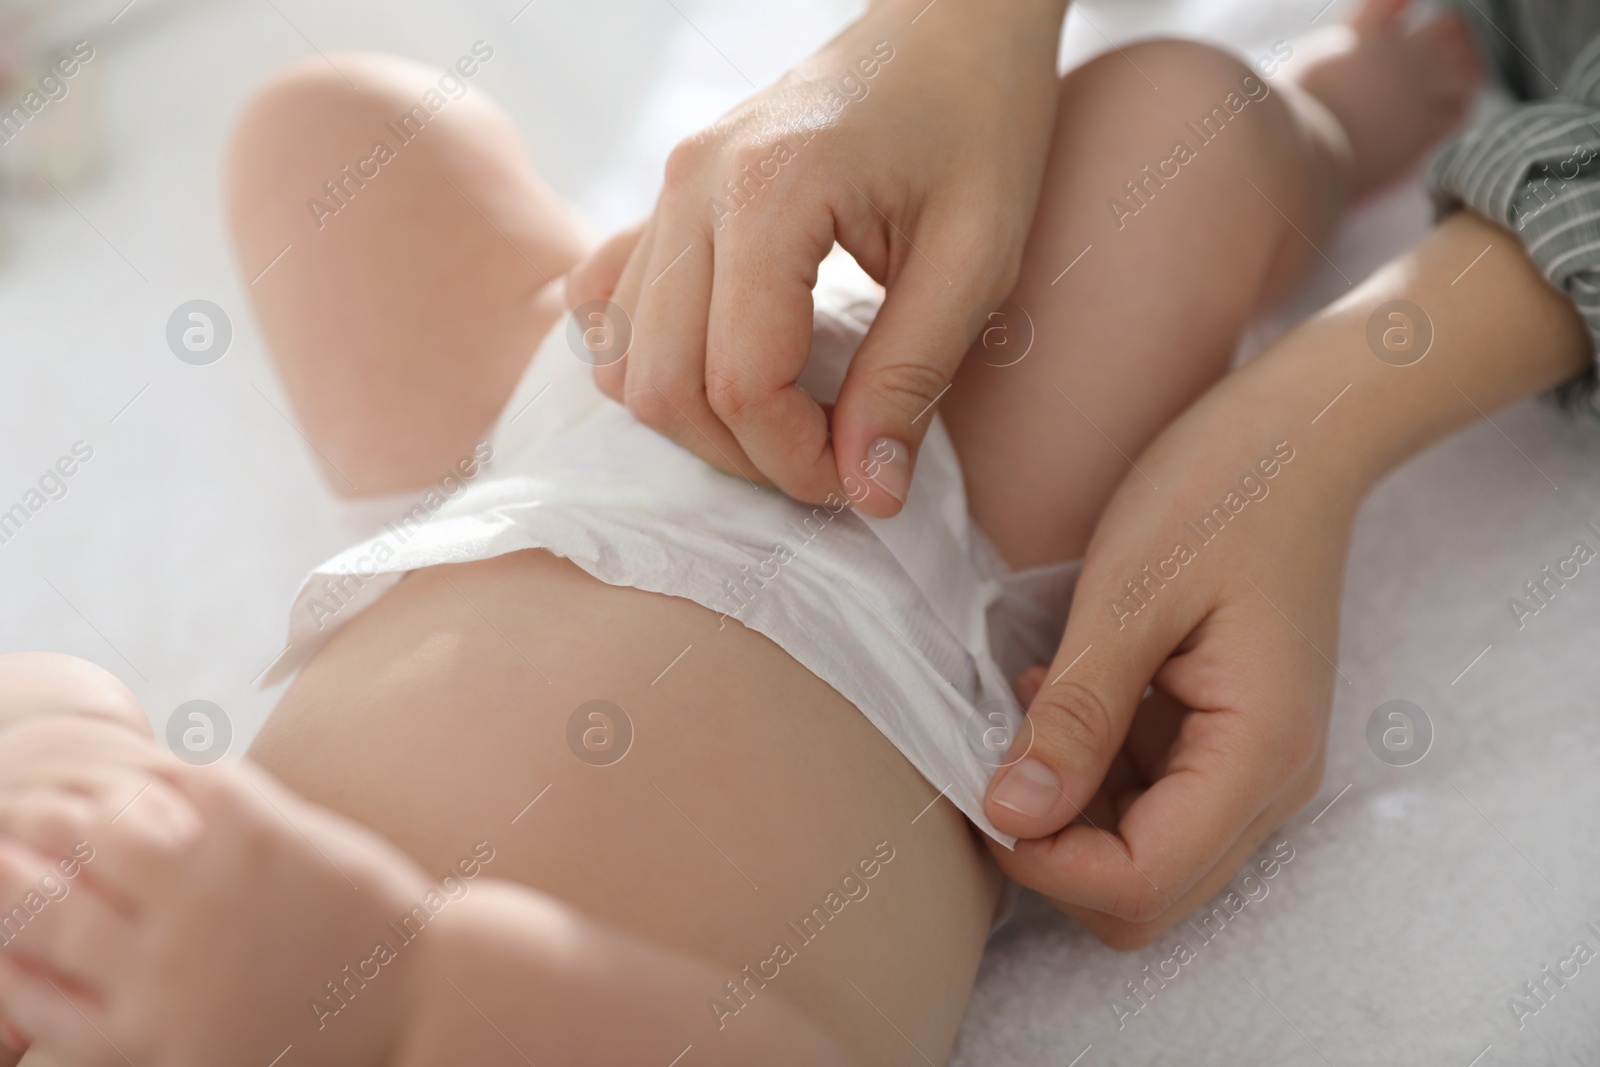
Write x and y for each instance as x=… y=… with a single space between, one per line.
x=688 y=783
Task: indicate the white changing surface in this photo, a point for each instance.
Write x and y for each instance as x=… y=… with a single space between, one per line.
x=1415 y=905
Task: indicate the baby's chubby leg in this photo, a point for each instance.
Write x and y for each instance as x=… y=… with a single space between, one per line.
x=400 y=257
x=181 y=916
x=439 y=715
x=1183 y=190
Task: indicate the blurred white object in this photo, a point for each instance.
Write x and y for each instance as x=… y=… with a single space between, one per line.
x=52 y=126
x=52 y=129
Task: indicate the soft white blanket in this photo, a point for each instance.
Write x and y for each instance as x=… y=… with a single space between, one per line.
x=1414 y=907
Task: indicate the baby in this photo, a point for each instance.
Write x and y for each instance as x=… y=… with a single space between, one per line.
x=561 y=780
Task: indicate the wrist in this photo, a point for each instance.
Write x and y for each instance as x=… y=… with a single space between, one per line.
x=1456 y=328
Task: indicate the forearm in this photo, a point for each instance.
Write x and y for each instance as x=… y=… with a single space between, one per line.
x=1500 y=333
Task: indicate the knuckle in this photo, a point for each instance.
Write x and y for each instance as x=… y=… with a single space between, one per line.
x=728 y=394
x=687 y=161
x=909 y=386
x=647 y=402
x=750 y=156
x=1074 y=716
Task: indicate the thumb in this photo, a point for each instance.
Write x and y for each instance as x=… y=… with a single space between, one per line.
x=1077 y=723
x=903 y=367
x=595 y=278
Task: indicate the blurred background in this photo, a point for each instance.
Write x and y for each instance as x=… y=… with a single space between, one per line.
x=1420 y=898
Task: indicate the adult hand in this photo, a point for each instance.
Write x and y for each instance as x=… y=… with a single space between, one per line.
x=1222 y=586
x=915 y=139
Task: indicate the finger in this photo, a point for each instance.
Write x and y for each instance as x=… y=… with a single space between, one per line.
x=1122 y=785
x=1122 y=934
x=666 y=386
x=758 y=340
x=120 y=852
x=58 y=821
x=1222 y=776
x=596 y=277
x=605 y=323
x=49 y=821
x=1154 y=732
x=1452 y=36
x=1081 y=716
x=903 y=368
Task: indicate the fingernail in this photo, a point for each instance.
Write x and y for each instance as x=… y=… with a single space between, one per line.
x=1029 y=788
x=892 y=461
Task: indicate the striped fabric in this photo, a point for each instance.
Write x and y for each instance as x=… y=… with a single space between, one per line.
x=1536 y=170
x=1528 y=41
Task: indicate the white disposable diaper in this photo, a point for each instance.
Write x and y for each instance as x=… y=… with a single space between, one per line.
x=915 y=620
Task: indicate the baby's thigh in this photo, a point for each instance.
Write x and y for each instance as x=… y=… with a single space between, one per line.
x=751 y=807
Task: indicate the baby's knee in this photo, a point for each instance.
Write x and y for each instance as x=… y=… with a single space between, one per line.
x=1178 y=82
x=296 y=110
x=47 y=683
x=1175 y=69
x=341 y=86
x=1205 y=101
x=317 y=135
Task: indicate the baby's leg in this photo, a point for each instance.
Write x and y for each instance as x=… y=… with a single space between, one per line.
x=682 y=781
x=414 y=281
x=213 y=917
x=752 y=796
x=1182 y=190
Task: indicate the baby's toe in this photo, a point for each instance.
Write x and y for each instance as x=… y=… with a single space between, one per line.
x=1373 y=14
x=131 y=841
x=52 y=822
x=1447 y=41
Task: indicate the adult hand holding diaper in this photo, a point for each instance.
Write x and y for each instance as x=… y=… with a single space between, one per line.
x=1142 y=802
x=915 y=139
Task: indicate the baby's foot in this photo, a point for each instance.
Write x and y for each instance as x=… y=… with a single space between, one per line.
x=203 y=929
x=1396 y=91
